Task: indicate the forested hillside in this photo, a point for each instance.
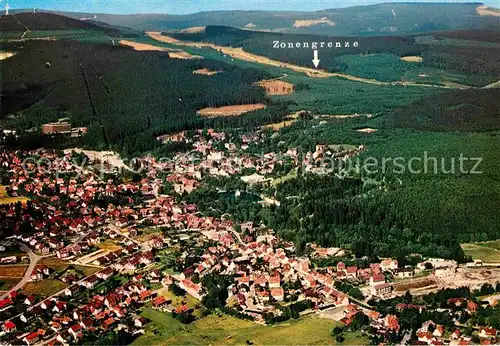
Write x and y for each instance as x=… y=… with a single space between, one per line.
x=381 y=19
x=100 y=86
x=47 y=21
x=462 y=110
x=461 y=56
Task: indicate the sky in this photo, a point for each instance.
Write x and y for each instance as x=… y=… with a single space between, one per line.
x=191 y=6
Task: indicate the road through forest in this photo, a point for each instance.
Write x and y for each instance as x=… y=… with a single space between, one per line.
x=239 y=53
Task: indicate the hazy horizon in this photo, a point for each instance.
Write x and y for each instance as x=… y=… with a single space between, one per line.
x=193 y=6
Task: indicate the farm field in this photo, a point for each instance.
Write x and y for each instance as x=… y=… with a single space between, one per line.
x=12 y=271
x=227 y=330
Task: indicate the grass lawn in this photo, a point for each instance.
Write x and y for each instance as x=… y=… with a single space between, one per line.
x=7 y=283
x=5 y=199
x=109 y=245
x=291 y=175
x=12 y=251
x=15 y=271
x=86 y=270
x=148 y=234
x=229 y=330
x=485 y=251
x=54 y=263
x=189 y=300
x=43 y=288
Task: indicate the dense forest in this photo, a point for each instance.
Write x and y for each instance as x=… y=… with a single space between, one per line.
x=48 y=21
x=331 y=211
x=460 y=110
x=262 y=43
x=100 y=86
x=462 y=57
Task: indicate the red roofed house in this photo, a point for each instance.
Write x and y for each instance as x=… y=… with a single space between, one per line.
x=487 y=333
x=391 y=323
x=9 y=327
x=278 y=293
x=160 y=302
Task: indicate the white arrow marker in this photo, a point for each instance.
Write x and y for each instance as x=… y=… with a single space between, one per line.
x=316 y=60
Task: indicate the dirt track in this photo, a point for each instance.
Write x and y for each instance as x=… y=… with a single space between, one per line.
x=238 y=53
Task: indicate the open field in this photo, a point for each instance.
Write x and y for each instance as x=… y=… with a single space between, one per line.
x=5 y=199
x=143 y=46
x=54 y=263
x=412 y=58
x=108 y=245
x=227 y=330
x=147 y=236
x=276 y=87
x=12 y=271
x=6 y=55
x=182 y=55
x=367 y=130
x=488 y=252
x=187 y=299
x=87 y=270
x=43 y=288
x=239 y=53
x=206 y=72
x=193 y=30
x=228 y=111
x=300 y=23
x=7 y=283
x=172 y=53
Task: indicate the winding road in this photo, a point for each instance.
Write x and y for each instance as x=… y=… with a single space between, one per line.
x=34 y=258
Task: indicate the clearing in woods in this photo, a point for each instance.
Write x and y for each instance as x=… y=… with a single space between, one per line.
x=239 y=53
x=367 y=130
x=206 y=72
x=228 y=111
x=301 y=23
x=193 y=30
x=276 y=87
x=289 y=120
x=172 y=53
x=412 y=58
x=6 y=55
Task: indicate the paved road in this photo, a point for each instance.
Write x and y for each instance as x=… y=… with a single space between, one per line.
x=34 y=258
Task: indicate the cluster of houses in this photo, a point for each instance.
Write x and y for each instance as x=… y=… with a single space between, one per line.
x=65 y=218
x=67 y=319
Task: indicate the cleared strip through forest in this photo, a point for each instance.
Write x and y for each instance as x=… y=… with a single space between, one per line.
x=239 y=53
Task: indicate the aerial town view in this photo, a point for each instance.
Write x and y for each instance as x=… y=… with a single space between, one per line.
x=282 y=172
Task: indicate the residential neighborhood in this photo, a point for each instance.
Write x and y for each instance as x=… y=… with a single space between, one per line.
x=132 y=241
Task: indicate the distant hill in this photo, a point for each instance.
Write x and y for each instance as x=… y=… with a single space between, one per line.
x=382 y=19
x=47 y=21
